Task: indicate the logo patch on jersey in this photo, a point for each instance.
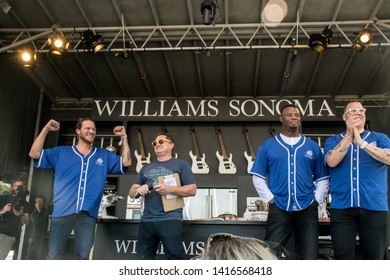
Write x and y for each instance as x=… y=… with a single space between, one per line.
x=373 y=143
x=99 y=161
x=309 y=154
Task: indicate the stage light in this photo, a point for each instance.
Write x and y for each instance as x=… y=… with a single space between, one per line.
x=208 y=8
x=319 y=42
x=363 y=40
x=93 y=42
x=26 y=58
x=58 y=45
x=274 y=12
x=5 y=6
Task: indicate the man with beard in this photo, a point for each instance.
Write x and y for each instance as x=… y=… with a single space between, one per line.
x=358 y=160
x=80 y=174
x=283 y=173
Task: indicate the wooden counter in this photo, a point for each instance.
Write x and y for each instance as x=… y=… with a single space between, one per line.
x=117 y=239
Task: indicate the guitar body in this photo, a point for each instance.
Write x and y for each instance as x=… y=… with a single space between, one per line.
x=250 y=160
x=226 y=165
x=141 y=161
x=199 y=165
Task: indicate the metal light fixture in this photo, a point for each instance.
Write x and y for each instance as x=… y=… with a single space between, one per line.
x=93 y=42
x=208 y=9
x=58 y=45
x=5 y=6
x=319 y=42
x=26 y=58
x=274 y=12
x=363 y=40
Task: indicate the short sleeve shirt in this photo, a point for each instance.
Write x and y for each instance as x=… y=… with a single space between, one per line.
x=359 y=180
x=78 y=180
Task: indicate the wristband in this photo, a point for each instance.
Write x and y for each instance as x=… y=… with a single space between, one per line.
x=123 y=137
x=362 y=146
x=349 y=137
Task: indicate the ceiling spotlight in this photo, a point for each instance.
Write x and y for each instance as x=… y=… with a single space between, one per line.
x=319 y=42
x=58 y=45
x=93 y=42
x=363 y=40
x=5 y=6
x=274 y=12
x=26 y=58
x=208 y=8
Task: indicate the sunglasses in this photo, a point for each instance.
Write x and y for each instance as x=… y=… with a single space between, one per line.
x=161 y=141
x=356 y=110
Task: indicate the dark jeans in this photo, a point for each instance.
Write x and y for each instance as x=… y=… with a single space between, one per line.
x=168 y=232
x=304 y=223
x=371 y=226
x=84 y=234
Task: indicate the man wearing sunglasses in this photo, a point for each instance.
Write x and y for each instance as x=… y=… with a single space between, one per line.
x=157 y=225
x=358 y=160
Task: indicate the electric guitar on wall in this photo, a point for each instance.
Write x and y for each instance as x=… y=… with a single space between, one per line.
x=252 y=156
x=271 y=130
x=142 y=159
x=226 y=165
x=199 y=165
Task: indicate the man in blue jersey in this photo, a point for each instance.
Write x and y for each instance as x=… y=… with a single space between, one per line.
x=290 y=175
x=80 y=174
x=157 y=225
x=358 y=161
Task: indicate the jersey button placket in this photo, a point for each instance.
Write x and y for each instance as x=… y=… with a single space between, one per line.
x=354 y=177
x=83 y=174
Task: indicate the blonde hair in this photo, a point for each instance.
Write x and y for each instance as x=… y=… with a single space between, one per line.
x=237 y=248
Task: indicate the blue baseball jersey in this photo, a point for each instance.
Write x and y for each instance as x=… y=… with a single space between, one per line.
x=153 y=207
x=78 y=180
x=359 y=180
x=291 y=171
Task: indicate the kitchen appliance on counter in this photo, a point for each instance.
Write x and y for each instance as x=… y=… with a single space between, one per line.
x=208 y=203
x=134 y=206
x=107 y=204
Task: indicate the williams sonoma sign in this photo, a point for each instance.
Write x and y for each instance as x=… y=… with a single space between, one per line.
x=210 y=109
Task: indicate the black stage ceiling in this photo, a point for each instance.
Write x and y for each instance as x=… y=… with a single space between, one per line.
x=162 y=49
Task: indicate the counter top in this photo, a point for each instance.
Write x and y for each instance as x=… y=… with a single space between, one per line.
x=200 y=222
x=194 y=222
x=117 y=238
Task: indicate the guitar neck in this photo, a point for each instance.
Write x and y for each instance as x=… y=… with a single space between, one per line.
x=249 y=142
x=141 y=144
x=195 y=144
x=222 y=145
x=272 y=130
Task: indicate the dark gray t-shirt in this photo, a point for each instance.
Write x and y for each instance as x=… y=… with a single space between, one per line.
x=153 y=207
